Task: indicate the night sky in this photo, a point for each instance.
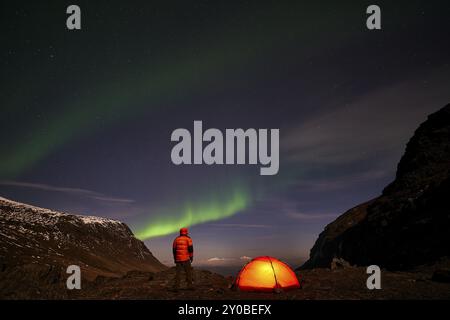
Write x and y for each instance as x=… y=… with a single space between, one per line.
x=87 y=115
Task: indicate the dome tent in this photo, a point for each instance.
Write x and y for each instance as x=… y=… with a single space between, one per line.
x=266 y=274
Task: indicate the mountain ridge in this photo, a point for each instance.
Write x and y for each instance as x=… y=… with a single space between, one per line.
x=409 y=223
x=37 y=245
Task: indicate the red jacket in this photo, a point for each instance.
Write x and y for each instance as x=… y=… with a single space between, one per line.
x=183 y=249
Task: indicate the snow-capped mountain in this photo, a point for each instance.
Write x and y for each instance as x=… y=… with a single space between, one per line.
x=37 y=242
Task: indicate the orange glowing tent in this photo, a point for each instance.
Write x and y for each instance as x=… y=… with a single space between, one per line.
x=266 y=274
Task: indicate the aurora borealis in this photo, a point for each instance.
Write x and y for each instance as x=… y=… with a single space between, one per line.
x=86 y=116
x=192 y=214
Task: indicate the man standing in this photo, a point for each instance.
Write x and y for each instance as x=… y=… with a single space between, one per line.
x=183 y=254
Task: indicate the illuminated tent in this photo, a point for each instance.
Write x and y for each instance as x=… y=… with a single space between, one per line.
x=266 y=274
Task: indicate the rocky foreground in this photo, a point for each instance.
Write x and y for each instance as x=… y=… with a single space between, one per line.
x=322 y=284
x=426 y=282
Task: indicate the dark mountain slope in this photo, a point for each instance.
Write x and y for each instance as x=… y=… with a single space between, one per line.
x=37 y=245
x=409 y=224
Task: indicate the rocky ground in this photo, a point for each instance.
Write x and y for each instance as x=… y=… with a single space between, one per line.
x=338 y=283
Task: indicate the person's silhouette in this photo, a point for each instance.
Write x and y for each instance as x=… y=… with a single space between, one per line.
x=183 y=255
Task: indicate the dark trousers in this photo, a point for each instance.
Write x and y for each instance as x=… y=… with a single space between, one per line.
x=187 y=268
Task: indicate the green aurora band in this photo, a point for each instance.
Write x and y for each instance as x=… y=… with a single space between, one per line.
x=192 y=214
